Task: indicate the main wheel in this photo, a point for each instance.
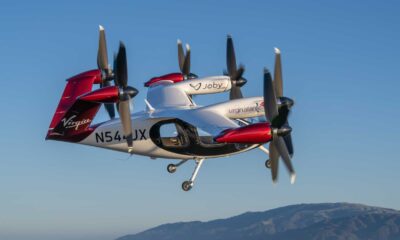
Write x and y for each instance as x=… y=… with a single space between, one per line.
x=268 y=163
x=171 y=168
x=187 y=185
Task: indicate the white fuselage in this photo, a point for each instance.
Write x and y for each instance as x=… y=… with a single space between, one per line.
x=168 y=102
x=109 y=134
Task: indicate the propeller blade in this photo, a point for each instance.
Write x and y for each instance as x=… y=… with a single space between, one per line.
x=282 y=118
x=125 y=115
x=239 y=73
x=186 y=65
x=110 y=109
x=281 y=144
x=230 y=56
x=121 y=71
x=270 y=105
x=102 y=64
x=102 y=57
x=108 y=106
x=233 y=72
x=283 y=152
x=274 y=157
x=181 y=55
x=116 y=83
x=289 y=143
x=278 y=74
x=235 y=93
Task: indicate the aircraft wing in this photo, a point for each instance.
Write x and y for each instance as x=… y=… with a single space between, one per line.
x=209 y=121
x=165 y=95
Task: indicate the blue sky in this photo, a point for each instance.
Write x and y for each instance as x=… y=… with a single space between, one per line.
x=340 y=61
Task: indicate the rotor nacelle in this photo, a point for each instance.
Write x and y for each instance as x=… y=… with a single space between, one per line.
x=174 y=77
x=102 y=95
x=252 y=134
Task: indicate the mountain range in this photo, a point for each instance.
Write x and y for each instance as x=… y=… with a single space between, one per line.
x=322 y=221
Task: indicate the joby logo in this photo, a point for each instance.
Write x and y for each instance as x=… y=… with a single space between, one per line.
x=205 y=86
x=195 y=86
x=70 y=123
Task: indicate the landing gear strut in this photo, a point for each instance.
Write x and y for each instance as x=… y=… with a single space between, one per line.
x=187 y=185
x=171 y=168
x=268 y=162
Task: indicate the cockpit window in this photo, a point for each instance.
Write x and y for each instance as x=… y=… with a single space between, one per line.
x=171 y=135
x=168 y=130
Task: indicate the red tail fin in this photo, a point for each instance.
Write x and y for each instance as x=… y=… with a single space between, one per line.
x=71 y=121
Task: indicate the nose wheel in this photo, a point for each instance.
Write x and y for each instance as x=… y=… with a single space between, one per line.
x=171 y=168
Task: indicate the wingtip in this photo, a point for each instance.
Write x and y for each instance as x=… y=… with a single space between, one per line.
x=277 y=51
x=101 y=28
x=292 y=178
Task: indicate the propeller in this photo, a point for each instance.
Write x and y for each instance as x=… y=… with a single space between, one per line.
x=285 y=103
x=184 y=61
x=102 y=64
x=126 y=93
x=235 y=73
x=279 y=128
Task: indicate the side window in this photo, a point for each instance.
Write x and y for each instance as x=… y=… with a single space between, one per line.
x=168 y=131
x=171 y=135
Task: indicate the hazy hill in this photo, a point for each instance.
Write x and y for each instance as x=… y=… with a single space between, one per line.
x=304 y=221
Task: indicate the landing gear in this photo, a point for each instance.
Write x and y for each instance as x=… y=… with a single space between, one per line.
x=268 y=163
x=187 y=185
x=171 y=168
